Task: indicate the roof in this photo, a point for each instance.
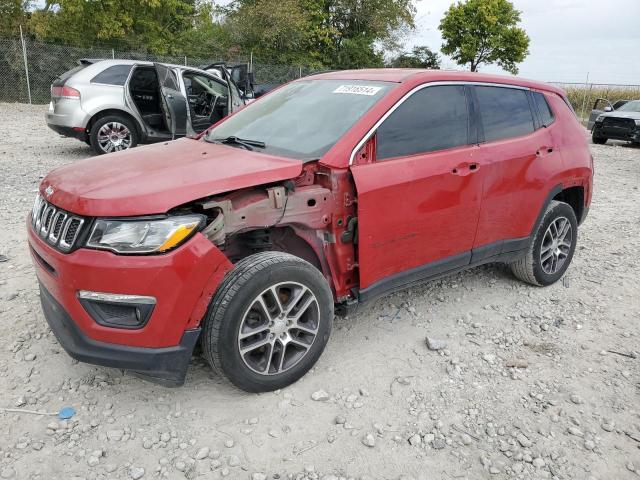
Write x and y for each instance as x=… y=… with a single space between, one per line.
x=417 y=75
x=120 y=61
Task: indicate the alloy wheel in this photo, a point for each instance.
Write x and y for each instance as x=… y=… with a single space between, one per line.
x=556 y=245
x=113 y=137
x=279 y=328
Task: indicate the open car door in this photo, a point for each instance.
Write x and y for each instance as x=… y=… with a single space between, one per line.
x=174 y=103
x=598 y=109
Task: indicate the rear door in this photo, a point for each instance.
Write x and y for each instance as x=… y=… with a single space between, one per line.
x=174 y=103
x=519 y=159
x=419 y=197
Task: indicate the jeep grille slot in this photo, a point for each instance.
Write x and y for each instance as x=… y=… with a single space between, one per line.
x=57 y=227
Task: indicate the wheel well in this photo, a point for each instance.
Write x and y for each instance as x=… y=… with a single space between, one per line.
x=574 y=196
x=277 y=239
x=114 y=111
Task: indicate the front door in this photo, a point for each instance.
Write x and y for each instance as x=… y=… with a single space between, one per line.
x=174 y=103
x=419 y=196
x=598 y=109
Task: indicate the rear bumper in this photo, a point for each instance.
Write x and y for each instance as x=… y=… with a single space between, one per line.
x=64 y=115
x=69 y=132
x=166 y=366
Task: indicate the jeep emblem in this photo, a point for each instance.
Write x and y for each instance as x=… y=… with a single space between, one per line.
x=49 y=191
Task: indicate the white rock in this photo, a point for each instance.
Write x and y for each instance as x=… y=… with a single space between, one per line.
x=202 y=453
x=115 y=435
x=538 y=462
x=320 y=396
x=435 y=344
x=369 y=440
x=136 y=472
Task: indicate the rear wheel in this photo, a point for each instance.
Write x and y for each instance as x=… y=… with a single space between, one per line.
x=598 y=140
x=552 y=247
x=269 y=321
x=112 y=134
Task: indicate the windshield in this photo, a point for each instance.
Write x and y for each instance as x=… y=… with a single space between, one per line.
x=633 y=106
x=304 y=119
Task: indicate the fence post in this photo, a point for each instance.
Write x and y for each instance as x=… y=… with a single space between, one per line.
x=113 y=54
x=26 y=65
x=584 y=100
x=300 y=72
x=185 y=60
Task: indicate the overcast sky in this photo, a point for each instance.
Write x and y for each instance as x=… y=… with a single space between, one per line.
x=568 y=38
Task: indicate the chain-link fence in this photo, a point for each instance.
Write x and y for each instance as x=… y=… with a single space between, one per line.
x=28 y=68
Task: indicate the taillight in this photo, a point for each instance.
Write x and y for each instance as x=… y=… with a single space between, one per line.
x=64 y=92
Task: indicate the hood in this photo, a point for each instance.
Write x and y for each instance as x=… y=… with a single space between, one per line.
x=155 y=178
x=619 y=114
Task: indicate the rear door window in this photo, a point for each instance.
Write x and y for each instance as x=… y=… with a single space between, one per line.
x=505 y=112
x=114 y=75
x=544 y=111
x=434 y=118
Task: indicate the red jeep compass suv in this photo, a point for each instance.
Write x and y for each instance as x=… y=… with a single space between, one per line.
x=325 y=193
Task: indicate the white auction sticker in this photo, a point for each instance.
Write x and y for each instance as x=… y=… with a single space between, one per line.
x=357 y=89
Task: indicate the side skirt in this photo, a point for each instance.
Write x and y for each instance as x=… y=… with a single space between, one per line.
x=503 y=251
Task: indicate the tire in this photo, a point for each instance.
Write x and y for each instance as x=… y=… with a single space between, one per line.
x=237 y=309
x=113 y=133
x=532 y=268
x=598 y=140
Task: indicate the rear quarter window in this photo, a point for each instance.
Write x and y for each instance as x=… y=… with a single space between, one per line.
x=114 y=75
x=504 y=112
x=544 y=110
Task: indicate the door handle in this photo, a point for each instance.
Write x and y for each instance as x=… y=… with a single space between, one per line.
x=465 y=169
x=544 y=151
x=169 y=96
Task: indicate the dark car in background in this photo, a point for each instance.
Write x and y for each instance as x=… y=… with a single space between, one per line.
x=114 y=105
x=620 y=124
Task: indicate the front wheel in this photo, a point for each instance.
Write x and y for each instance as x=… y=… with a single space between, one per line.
x=112 y=134
x=597 y=139
x=552 y=247
x=269 y=321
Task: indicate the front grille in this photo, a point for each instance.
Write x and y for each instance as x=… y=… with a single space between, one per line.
x=620 y=124
x=58 y=227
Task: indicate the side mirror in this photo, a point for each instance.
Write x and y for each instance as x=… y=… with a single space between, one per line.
x=608 y=109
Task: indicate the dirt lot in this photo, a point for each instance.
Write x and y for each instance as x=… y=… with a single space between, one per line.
x=394 y=409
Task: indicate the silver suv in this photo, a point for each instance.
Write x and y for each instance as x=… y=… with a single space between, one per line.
x=115 y=104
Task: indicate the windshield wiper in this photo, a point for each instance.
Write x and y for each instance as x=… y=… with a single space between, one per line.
x=243 y=142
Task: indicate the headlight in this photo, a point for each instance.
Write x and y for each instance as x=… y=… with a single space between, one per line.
x=637 y=122
x=600 y=118
x=143 y=236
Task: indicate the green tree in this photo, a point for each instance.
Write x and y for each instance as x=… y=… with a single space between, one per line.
x=419 y=57
x=479 y=32
x=13 y=14
x=331 y=33
x=154 y=25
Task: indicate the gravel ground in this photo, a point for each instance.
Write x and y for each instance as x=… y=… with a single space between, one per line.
x=531 y=383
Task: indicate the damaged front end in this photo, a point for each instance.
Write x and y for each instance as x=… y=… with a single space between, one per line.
x=312 y=216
